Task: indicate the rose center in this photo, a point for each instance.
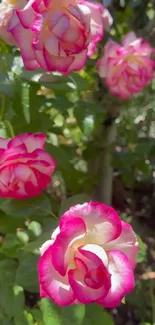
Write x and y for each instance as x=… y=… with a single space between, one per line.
x=94 y=278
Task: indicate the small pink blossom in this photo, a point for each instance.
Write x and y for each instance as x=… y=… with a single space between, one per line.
x=25 y=167
x=127 y=68
x=89 y=258
x=56 y=33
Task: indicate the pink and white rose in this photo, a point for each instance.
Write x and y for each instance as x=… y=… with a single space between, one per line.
x=6 y=11
x=127 y=68
x=56 y=33
x=89 y=258
x=100 y=20
x=25 y=167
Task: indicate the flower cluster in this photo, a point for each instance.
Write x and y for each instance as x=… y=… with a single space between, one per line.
x=127 y=68
x=25 y=167
x=89 y=258
x=58 y=35
x=91 y=255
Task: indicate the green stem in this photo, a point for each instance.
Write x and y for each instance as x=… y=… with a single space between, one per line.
x=9 y=128
x=55 y=217
x=3 y=107
x=103 y=191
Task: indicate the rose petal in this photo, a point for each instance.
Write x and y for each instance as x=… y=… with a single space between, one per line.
x=122 y=279
x=53 y=285
x=71 y=231
x=31 y=141
x=4 y=143
x=126 y=243
x=102 y=222
x=90 y=280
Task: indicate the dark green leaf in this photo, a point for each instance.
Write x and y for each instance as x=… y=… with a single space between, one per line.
x=11 y=245
x=7 y=278
x=34 y=207
x=142 y=253
x=75 y=314
x=26 y=275
x=9 y=224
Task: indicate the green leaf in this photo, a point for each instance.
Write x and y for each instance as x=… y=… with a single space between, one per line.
x=143 y=148
x=7 y=278
x=26 y=275
x=18 y=301
x=9 y=224
x=96 y=314
x=11 y=245
x=49 y=313
x=25 y=103
x=76 y=199
x=39 y=206
x=60 y=155
x=7 y=322
x=29 y=318
x=50 y=225
x=41 y=123
x=142 y=253
x=7 y=87
x=62 y=104
x=81 y=83
x=36 y=313
x=53 y=314
x=36 y=244
x=75 y=314
x=6 y=299
x=3 y=131
x=88 y=114
x=21 y=319
x=7 y=272
x=57 y=82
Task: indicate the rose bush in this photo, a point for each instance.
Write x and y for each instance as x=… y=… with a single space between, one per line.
x=127 y=68
x=25 y=167
x=57 y=34
x=89 y=258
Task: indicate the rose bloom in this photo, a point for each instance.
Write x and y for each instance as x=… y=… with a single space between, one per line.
x=89 y=258
x=56 y=33
x=6 y=11
x=101 y=20
x=127 y=68
x=25 y=167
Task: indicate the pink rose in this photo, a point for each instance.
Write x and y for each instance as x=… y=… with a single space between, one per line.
x=89 y=258
x=127 y=68
x=25 y=167
x=6 y=10
x=107 y=19
x=56 y=34
x=100 y=20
